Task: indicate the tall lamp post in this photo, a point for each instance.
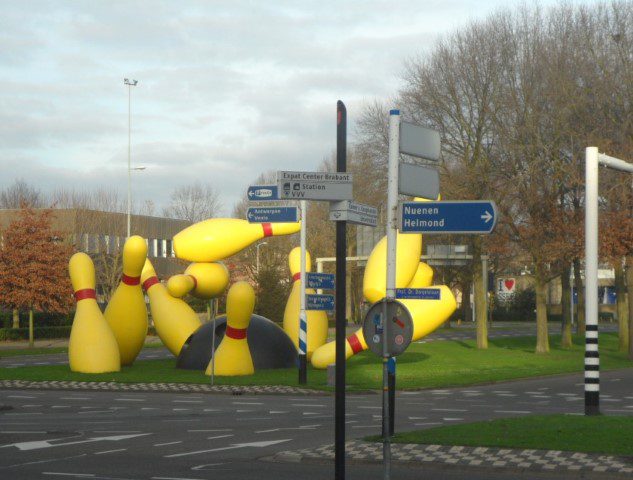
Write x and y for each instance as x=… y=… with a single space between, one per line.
x=257 y=254
x=130 y=84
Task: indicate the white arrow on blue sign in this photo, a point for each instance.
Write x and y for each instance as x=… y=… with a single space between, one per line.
x=272 y=214
x=466 y=217
x=322 y=281
x=418 y=293
x=262 y=193
x=319 y=302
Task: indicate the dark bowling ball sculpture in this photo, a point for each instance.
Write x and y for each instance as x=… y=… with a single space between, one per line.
x=269 y=345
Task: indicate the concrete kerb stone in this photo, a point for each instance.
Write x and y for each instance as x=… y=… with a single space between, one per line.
x=412 y=455
x=159 y=387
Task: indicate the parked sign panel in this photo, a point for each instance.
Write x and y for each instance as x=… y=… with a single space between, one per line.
x=352 y=212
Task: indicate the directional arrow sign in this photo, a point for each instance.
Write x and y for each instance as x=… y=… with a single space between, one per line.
x=272 y=214
x=263 y=193
x=468 y=217
x=352 y=212
x=314 y=185
x=323 y=281
x=320 y=302
x=418 y=293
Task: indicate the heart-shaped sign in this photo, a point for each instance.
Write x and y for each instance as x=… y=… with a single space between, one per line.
x=509 y=283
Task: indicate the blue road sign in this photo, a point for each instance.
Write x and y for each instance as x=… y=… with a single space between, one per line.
x=272 y=214
x=418 y=293
x=320 y=280
x=319 y=302
x=263 y=193
x=469 y=217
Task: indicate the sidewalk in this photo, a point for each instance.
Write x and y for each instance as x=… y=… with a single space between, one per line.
x=583 y=465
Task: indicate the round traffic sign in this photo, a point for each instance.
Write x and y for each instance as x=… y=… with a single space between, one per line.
x=399 y=326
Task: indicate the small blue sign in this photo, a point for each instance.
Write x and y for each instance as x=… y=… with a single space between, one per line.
x=272 y=214
x=263 y=193
x=418 y=293
x=469 y=217
x=319 y=302
x=323 y=281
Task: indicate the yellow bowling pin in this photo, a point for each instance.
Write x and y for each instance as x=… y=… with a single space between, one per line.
x=174 y=320
x=92 y=347
x=326 y=354
x=126 y=312
x=203 y=280
x=316 y=321
x=409 y=250
x=233 y=357
x=219 y=238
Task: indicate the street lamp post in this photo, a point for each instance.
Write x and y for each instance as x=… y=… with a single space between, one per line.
x=130 y=84
x=257 y=254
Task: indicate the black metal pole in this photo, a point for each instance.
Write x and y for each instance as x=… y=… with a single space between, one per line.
x=341 y=253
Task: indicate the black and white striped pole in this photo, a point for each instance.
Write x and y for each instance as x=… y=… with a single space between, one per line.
x=592 y=358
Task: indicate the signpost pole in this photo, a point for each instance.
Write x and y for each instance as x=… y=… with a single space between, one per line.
x=341 y=252
x=303 y=324
x=392 y=238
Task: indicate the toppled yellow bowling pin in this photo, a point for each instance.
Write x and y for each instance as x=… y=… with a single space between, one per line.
x=92 y=347
x=174 y=320
x=326 y=354
x=316 y=320
x=203 y=280
x=126 y=312
x=219 y=238
x=233 y=357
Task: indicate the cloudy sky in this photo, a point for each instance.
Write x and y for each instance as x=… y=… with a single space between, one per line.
x=227 y=89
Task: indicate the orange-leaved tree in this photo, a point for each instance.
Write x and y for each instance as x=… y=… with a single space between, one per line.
x=33 y=266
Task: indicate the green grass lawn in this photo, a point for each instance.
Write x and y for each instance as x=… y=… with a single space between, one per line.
x=435 y=364
x=574 y=433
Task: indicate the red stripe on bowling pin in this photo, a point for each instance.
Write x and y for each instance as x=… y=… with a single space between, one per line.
x=130 y=280
x=150 y=282
x=236 y=333
x=268 y=229
x=85 y=294
x=354 y=342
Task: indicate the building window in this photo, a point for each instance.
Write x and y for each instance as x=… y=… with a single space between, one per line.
x=163 y=249
x=170 y=248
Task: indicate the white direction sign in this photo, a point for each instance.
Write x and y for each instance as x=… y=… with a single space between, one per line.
x=314 y=186
x=352 y=212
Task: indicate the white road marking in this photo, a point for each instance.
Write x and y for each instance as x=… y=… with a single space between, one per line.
x=129 y=399
x=213 y=430
x=449 y=419
x=247 y=403
x=39 y=444
x=76 y=475
x=427 y=423
x=20 y=396
x=232 y=447
x=220 y=436
x=306 y=405
x=111 y=451
x=16 y=431
x=95 y=411
x=181 y=409
x=272 y=412
x=449 y=410
x=75 y=398
x=168 y=443
x=187 y=401
x=512 y=411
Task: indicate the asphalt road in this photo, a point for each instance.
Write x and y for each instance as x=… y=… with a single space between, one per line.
x=166 y=436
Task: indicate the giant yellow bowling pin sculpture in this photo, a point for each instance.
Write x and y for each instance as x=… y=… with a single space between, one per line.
x=233 y=357
x=92 y=347
x=126 y=312
x=316 y=320
x=174 y=320
x=202 y=280
x=219 y=238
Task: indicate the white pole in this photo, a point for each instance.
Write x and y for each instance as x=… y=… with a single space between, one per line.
x=592 y=359
x=129 y=157
x=303 y=327
x=392 y=239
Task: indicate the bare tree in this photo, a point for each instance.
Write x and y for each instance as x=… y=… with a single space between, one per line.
x=21 y=195
x=194 y=202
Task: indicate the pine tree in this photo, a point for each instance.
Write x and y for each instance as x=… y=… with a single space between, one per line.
x=33 y=266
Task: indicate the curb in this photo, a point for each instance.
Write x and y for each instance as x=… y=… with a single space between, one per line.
x=159 y=387
x=482 y=458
